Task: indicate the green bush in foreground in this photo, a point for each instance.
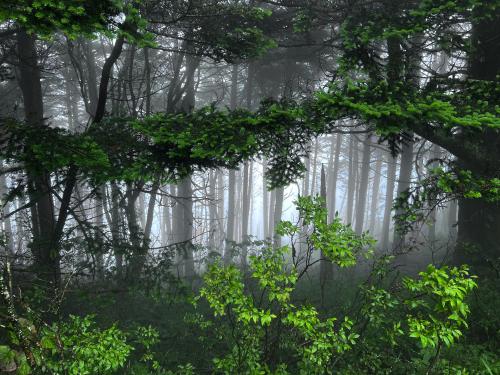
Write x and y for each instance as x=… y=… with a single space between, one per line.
x=252 y=322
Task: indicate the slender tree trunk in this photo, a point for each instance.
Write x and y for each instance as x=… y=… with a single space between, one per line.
x=326 y=267
x=351 y=184
x=150 y=214
x=212 y=211
x=376 y=187
x=166 y=229
x=332 y=185
x=272 y=203
x=99 y=223
x=6 y=221
x=93 y=96
x=305 y=190
x=363 y=188
x=220 y=210
x=389 y=196
x=435 y=155
x=185 y=194
x=237 y=207
x=245 y=214
x=230 y=216
x=315 y=167
x=452 y=218
x=278 y=210
x=404 y=182
x=116 y=229
x=231 y=209
x=265 y=201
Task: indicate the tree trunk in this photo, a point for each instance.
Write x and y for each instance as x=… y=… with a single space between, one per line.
x=332 y=185
x=265 y=202
x=478 y=240
x=404 y=182
x=230 y=216
x=220 y=211
x=389 y=196
x=45 y=251
x=351 y=184
x=376 y=187
x=212 y=211
x=305 y=189
x=185 y=197
x=314 y=167
x=435 y=155
x=116 y=229
x=272 y=203
x=326 y=266
x=245 y=214
x=6 y=221
x=278 y=210
x=363 y=187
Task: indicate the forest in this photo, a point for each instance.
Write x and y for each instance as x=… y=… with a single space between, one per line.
x=261 y=187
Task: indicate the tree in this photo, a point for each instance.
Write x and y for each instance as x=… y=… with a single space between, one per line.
x=386 y=103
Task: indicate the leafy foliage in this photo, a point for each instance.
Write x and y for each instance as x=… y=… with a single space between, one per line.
x=261 y=323
x=73 y=347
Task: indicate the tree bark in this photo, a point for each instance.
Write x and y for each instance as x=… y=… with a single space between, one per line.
x=326 y=266
x=389 y=196
x=45 y=251
x=332 y=185
x=363 y=187
x=404 y=182
x=478 y=239
x=265 y=202
x=230 y=216
x=278 y=210
x=245 y=214
x=351 y=184
x=374 y=198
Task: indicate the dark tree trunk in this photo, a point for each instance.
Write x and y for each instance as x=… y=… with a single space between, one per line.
x=478 y=241
x=45 y=250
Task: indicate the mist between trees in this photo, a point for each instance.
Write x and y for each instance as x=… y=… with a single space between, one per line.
x=249 y=187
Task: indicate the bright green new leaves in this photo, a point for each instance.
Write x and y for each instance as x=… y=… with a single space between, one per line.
x=78 y=347
x=324 y=338
x=270 y=269
x=431 y=308
x=439 y=310
x=224 y=291
x=313 y=340
x=336 y=241
x=74 y=347
x=392 y=108
x=73 y=17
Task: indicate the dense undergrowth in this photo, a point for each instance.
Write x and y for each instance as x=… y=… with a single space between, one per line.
x=275 y=316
